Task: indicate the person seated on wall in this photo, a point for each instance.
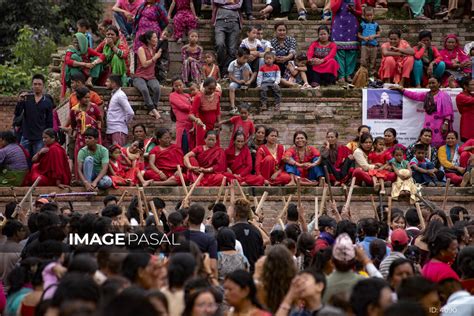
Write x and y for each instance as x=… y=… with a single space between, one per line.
x=428 y=61
x=280 y=9
x=449 y=159
x=81 y=59
x=301 y=160
x=50 y=163
x=13 y=161
x=164 y=159
x=115 y=49
x=208 y=159
x=239 y=162
x=78 y=81
x=139 y=133
x=124 y=15
x=397 y=59
x=458 y=64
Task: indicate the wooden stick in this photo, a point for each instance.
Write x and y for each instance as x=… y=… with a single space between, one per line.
x=67 y=194
x=443 y=207
x=145 y=202
x=226 y=194
x=14 y=195
x=19 y=207
x=323 y=199
x=328 y=181
x=183 y=183
x=280 y=221
x=461 y=216
x=389 y=210
x=186 y=198
x=255 y=202
x=120 y=201
x=285 y=208
x=374 y=208
x=298 y=191
x=221 y=188
x=260 y=204
x=232 y=195
x=140 y=206
x=349 y=195
x=420 y=216
x=241 y=190
x=316 y=213
x=155 y=213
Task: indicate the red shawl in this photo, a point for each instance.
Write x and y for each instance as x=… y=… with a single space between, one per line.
x=240 y=164
x=212 y=157
x=168 y=159
x=55 y=165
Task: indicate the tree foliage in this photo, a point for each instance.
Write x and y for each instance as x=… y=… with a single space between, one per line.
x=57 y=16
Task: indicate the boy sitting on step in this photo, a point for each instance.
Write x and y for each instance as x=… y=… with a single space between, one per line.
x=423 y=169
x=240 y=75
x=268 y=78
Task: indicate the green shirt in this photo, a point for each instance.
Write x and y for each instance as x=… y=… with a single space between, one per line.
x=340 y=282
x=101 y=156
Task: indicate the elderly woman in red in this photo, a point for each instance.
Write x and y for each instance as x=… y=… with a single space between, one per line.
x=239 y=162
x=51 y=163
x=362 y=165
x=164 y=160
x=208 y=159
x=458 y=64
x=269 y=162
x=465 y=104
x=206 y=110
x=301 y=160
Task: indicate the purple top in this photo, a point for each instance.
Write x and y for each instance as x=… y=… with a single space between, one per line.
x=12 y=157
x=344 y=28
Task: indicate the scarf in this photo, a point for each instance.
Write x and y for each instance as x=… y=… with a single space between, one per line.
x=429 y=104
x=454 y=159
x=429 y=56
x=83 y=44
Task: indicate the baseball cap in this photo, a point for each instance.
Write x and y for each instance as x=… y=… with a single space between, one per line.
x=399 y=237
x=343 y=249
x=41 y=201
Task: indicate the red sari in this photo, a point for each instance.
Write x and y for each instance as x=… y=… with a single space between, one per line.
x=120 y=176
x=241 y=167
x=167 y=161
x=266 y=165
x=53 y=167
x=209 y=112
x=309 y=154
x=81 y=120
x=207 y=158
x=181 y=106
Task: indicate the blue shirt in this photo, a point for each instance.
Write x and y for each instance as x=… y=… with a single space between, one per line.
x=366 y=245
x=369 y=29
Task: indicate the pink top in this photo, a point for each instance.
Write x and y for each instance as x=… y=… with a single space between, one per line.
x=130 y=6
x=437 y=271
x=326 y=53
x=147 y=73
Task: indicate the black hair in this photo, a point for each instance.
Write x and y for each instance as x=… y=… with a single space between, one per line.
x=452 y=132
x=76 y=286
x=244 y=280
x=139 y=125
x=270 y=130
x=440 y=214
x=405 y=308
x=196 y=214
x=425 y=130
x=175 y=219
x=301 y=56
x=181 y=267
x=464 y=82
x=83 y=23
x=12 y=226
x=78 y=76
x=465 y=262
x=191 y=300
x=292 y=212
x=114 y=29
x=219 y=207
x=277 y=236
x=244 y=106
x=393 y=132
x=82 y=92
x=398 y=148
x=116 y=79
x=366 y=293
x=299 y=133
x=145 y=38
x=211 y=132
x=293 y=231
x=455 y=211
x=133 y=262
x=84 y=264
x=280 y=23
x=111 y=211
x=271 y=54
x=323 y=28
x=415 y=288
x=348 y=227
x=378 y=139
x=10 y=207
x=237 y=134
x=364 y=137
x=50 y=132
x=420 y=147
x=38 y=76
x=441 y=242
x=396 y=32
x=431 y=230
x=333 y=131
x=396 y=263
x=304 y=246
x=370 y=227
x=159 y=203
x=160 y=132
x=8 y=137
x=368 y=9
x=378 y=250
x=132 y=300
x=423 y=34
x=111 y=288
x=109 y=198
x=242 y=51
x=258 y=27
x=219 y=220
x=91 y=132
x=208 y=81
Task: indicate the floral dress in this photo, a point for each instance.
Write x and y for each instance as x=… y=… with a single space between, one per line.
x=184 y=19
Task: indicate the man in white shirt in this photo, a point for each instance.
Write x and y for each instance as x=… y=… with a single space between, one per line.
x=119 y=112
x=459 y=302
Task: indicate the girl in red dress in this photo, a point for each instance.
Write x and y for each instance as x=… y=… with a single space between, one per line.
x=164 y=160
x=206 y=111
x=116 y=168
x=269 y=162
x=208 y=159
x=239 y=162
x=379 y=157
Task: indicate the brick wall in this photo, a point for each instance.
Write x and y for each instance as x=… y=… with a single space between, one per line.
x=7 y=108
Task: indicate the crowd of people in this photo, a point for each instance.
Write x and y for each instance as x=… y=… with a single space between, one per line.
x=226 y=263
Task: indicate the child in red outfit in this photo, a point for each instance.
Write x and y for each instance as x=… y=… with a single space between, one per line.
x=241 y=122
x=380 y=158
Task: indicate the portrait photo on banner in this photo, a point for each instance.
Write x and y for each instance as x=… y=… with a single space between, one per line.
x=383 y=108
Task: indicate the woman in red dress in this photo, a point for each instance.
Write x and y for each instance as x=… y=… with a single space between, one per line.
x=83 y=115
x=208 y=159
x=337 y=158
x=301 y=160
x=269 y=162
x=206 y=110
x=164 y=160
x=181 y=105
x=465 y=104
x=239 y=162
x=51 y=163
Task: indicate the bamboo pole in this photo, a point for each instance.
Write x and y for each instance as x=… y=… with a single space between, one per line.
x=226 y=194
x=241 y=190
x=181 y=177
x=221 y=188
x=374 y=207
x=316 y=213
x=420 y=216
x=19 y=207
x=285 y=208
x=445 y=200
x=120 y=201
x=155 y=213
x=260 y=204
x=389 y=210
x=328 y=181
x=140 y=206
x=186 y=198
x=323 y=200
x=145 y=202
x=349 y=195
